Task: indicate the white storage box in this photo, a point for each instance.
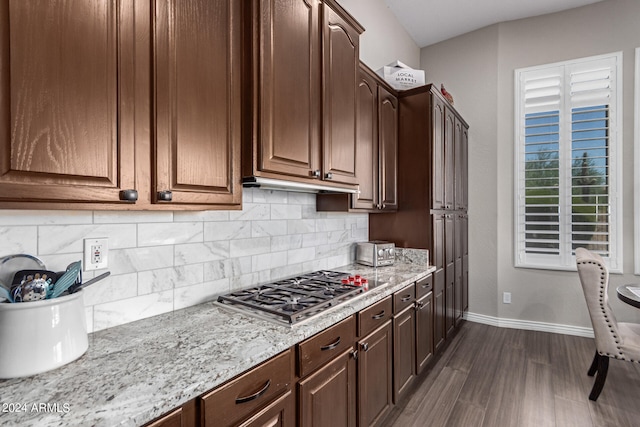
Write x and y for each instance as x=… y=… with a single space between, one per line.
x=38 y=336
x=401 y=76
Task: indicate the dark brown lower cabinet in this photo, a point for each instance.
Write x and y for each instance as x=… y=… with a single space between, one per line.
x=280 y=413
x=465 y=283
x=439 y=308
x=424 y=331
x=338 y=385
x=250 y=394
x=450 y=315
x=404 y=351
x=328 y=396
x=375 y=376
x=184 y=416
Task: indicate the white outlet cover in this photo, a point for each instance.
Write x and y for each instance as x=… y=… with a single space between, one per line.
x=506 y=297
x=101 y=245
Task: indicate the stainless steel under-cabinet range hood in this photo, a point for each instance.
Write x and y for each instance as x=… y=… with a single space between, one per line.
x=303 y=187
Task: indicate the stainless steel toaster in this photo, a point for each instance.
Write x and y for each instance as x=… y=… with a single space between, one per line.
x=376 y=253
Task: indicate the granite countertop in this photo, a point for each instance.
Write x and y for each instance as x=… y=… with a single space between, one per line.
x=136 y=372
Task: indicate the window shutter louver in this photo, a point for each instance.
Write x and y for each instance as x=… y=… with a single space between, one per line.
x=591 y=97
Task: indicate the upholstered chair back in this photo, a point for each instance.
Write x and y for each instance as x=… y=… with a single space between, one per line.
x=594 y=277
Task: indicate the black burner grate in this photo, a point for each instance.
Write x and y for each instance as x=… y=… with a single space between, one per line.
x=296 y=298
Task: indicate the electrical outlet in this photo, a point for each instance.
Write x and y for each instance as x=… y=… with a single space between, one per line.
x=96 y=253
x=506 y=297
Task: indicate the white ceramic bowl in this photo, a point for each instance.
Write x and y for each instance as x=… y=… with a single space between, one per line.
x=38 y=336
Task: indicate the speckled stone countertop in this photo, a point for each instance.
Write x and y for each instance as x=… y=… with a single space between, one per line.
x=136 y=372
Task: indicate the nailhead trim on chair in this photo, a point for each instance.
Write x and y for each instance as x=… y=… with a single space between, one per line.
x=603 y=275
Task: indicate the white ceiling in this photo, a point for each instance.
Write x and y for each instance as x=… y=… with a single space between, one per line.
x=431 y=21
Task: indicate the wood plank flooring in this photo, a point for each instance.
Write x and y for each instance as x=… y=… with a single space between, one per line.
x=498 y=377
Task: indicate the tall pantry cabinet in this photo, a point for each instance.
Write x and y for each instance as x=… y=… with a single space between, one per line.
x=432 y=199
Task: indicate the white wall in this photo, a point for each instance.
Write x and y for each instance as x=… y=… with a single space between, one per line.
x=478 y=69
x=384 y=39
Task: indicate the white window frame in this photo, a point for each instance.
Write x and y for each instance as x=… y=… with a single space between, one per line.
x=636 y=162
x=566 y=261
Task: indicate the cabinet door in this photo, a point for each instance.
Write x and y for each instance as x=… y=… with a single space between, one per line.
x=424 y=331
x=172 y=419
x=460 y=229
x=375 y=376
x=464 y=237
x=438 y=224
x=184 y=416
x=450 y=272
x=340 y=70
x=286 y=94
x=404 y=352
x=457 y=292
x=367 y=142
x=438 y=154
x=66 y=100
x=450 y=281
x=279 y=413
x=197 y=96
x=388 y=131
x=328 y=397
x=439 y=308
x=464 y=204
x=449 y=159
x=449 y=239
x=460 y=166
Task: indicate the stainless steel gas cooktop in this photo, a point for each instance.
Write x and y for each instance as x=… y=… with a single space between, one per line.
x=297 y=298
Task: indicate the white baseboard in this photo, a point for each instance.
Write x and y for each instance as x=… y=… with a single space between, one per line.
x=529 y=325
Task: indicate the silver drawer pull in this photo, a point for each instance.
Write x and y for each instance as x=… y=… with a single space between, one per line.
x=331 y=346
x=255 y=395
x=378 y=316
x=406 y=298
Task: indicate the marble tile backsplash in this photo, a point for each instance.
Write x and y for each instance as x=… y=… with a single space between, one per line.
x=165 y=261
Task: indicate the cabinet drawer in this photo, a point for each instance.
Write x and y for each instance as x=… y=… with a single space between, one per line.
x=241 y=397
x=372 y=317
x=404 y=298
x=424 y=286
x=326 y=345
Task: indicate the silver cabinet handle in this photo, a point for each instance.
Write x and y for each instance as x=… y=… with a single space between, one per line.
x=129 y=195
x=255 y=395
x=165 y=196
x=378 y=316
x=331 y=346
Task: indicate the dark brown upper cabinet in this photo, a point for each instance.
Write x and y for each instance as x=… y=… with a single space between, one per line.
x=66 y=100
x=197 y=101
x=376 y=150
x=300 y=71
x=388 y=143
x=340 y=61
x=109 y=104
x=461 y=165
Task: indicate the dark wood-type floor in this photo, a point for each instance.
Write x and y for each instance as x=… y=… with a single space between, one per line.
x=499 y=377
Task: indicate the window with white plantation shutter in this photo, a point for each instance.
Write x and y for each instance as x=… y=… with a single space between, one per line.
x=568 y=128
